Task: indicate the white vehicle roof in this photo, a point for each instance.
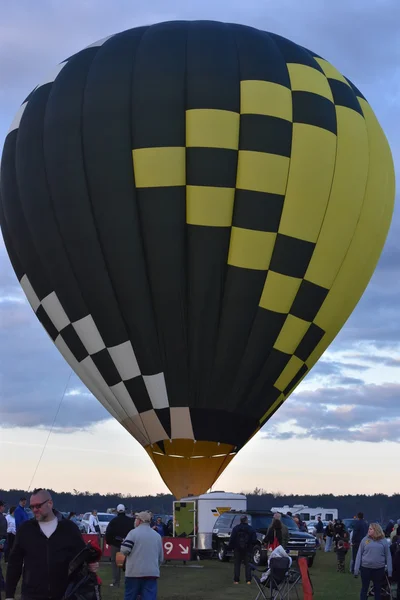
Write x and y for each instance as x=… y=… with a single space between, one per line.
x=215 y=496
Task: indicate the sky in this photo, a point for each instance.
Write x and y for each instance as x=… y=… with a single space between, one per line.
x=340 y=431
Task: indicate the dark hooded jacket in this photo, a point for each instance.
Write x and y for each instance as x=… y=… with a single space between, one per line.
x=45 y=560
x=118 y=529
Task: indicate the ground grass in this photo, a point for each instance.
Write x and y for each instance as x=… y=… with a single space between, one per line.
x=214 y=581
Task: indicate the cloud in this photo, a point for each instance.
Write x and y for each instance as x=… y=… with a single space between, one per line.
x=331 y=367
x=34 y=375
x=386 y=361
x=369 y=413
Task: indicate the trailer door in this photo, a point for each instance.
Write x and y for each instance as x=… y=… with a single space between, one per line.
x=185 y=520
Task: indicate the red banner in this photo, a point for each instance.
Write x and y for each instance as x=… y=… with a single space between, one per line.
x=106 y=549
x=305 y=579
x=90 y=537
x=177 y=548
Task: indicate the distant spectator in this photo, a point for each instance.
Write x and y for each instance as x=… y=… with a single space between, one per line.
x=341 y=551
x=20 y=513
x=329 y=533
x=11 y=531
x=320 y=532
x=395 y=529
x=300 y=524
x=360 y=530
x=159 y=527
x=72 y=517
x=117 y=530
x=372 y=557
x=243 y=538
x=94 y=525
x=395 y=552
x=284 y=538
x=340 y=532
x=389 y=528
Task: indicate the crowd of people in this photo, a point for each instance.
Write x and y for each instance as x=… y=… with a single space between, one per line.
x=40 y=550
x=44 y=550
x=375 y=554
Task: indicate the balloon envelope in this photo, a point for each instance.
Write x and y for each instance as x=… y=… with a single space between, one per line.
x=193 y=210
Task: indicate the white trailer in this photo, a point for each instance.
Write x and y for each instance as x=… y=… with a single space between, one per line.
x=307 y=513
x=195 y=516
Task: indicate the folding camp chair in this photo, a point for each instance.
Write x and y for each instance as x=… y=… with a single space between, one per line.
x=386 y=588
x=280 y=582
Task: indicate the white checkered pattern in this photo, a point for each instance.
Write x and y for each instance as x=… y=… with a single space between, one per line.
x=82 y=352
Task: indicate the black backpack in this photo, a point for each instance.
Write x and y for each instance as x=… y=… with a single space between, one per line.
x=242 y=539
x=82 y=583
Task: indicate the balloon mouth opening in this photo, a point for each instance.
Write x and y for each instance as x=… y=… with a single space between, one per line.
x=190 y=449
x=190 y=467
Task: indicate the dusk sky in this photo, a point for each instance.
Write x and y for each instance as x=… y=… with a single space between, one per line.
x=340 y=431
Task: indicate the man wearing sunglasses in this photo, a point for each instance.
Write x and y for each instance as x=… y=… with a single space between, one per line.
x=44 y=546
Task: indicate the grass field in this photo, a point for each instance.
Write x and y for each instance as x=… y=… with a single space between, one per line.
x=214 y=581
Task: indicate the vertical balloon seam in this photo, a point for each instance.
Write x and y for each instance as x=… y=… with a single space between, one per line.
x=217 y=333
x=256 y=379
x=253 y=324
x=110 y=391
x=88 y=376
x=135 y=199
x=25 y=270
x=320 y=229
x=103 y=48
x=152 y=30
x=149 y=30
x=208 y=239
x=197 y=391
x=225 y=297
x=309 y=366
x=188 y=27
x=286 y=396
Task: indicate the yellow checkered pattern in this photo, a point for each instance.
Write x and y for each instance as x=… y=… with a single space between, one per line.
x=327 y=176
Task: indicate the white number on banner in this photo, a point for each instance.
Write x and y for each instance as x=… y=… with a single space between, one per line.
x=168 y=547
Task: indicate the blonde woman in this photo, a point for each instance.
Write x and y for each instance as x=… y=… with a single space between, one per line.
x=372 y=557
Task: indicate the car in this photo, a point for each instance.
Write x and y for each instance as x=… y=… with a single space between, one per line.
x=300 y=543
x=349 y=524
x=104 y=519
x=311 y=525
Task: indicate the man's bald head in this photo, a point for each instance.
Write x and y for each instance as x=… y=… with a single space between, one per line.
x=41 y=494
x=42 y=505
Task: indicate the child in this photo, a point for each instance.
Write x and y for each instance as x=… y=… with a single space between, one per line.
x=341 y=551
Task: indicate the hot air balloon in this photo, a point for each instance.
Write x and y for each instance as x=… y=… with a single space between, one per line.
x=193 y=210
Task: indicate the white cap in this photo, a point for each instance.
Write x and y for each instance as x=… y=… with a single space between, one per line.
x=120 y=508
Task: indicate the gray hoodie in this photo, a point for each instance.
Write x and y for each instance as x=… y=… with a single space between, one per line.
x=373 y=554
x=143 y=547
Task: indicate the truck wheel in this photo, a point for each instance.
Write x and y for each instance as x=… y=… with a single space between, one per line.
x=310 y=561
x=222 y=553
x=256 y=555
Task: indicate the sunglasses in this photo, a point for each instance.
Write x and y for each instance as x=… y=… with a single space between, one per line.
x=38 y=506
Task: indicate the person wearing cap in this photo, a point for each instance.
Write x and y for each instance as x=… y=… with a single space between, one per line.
x=117 y=530
x=20 y=513
x=143 y=549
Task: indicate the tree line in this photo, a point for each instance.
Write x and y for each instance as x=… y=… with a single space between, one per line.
x=376 y=507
